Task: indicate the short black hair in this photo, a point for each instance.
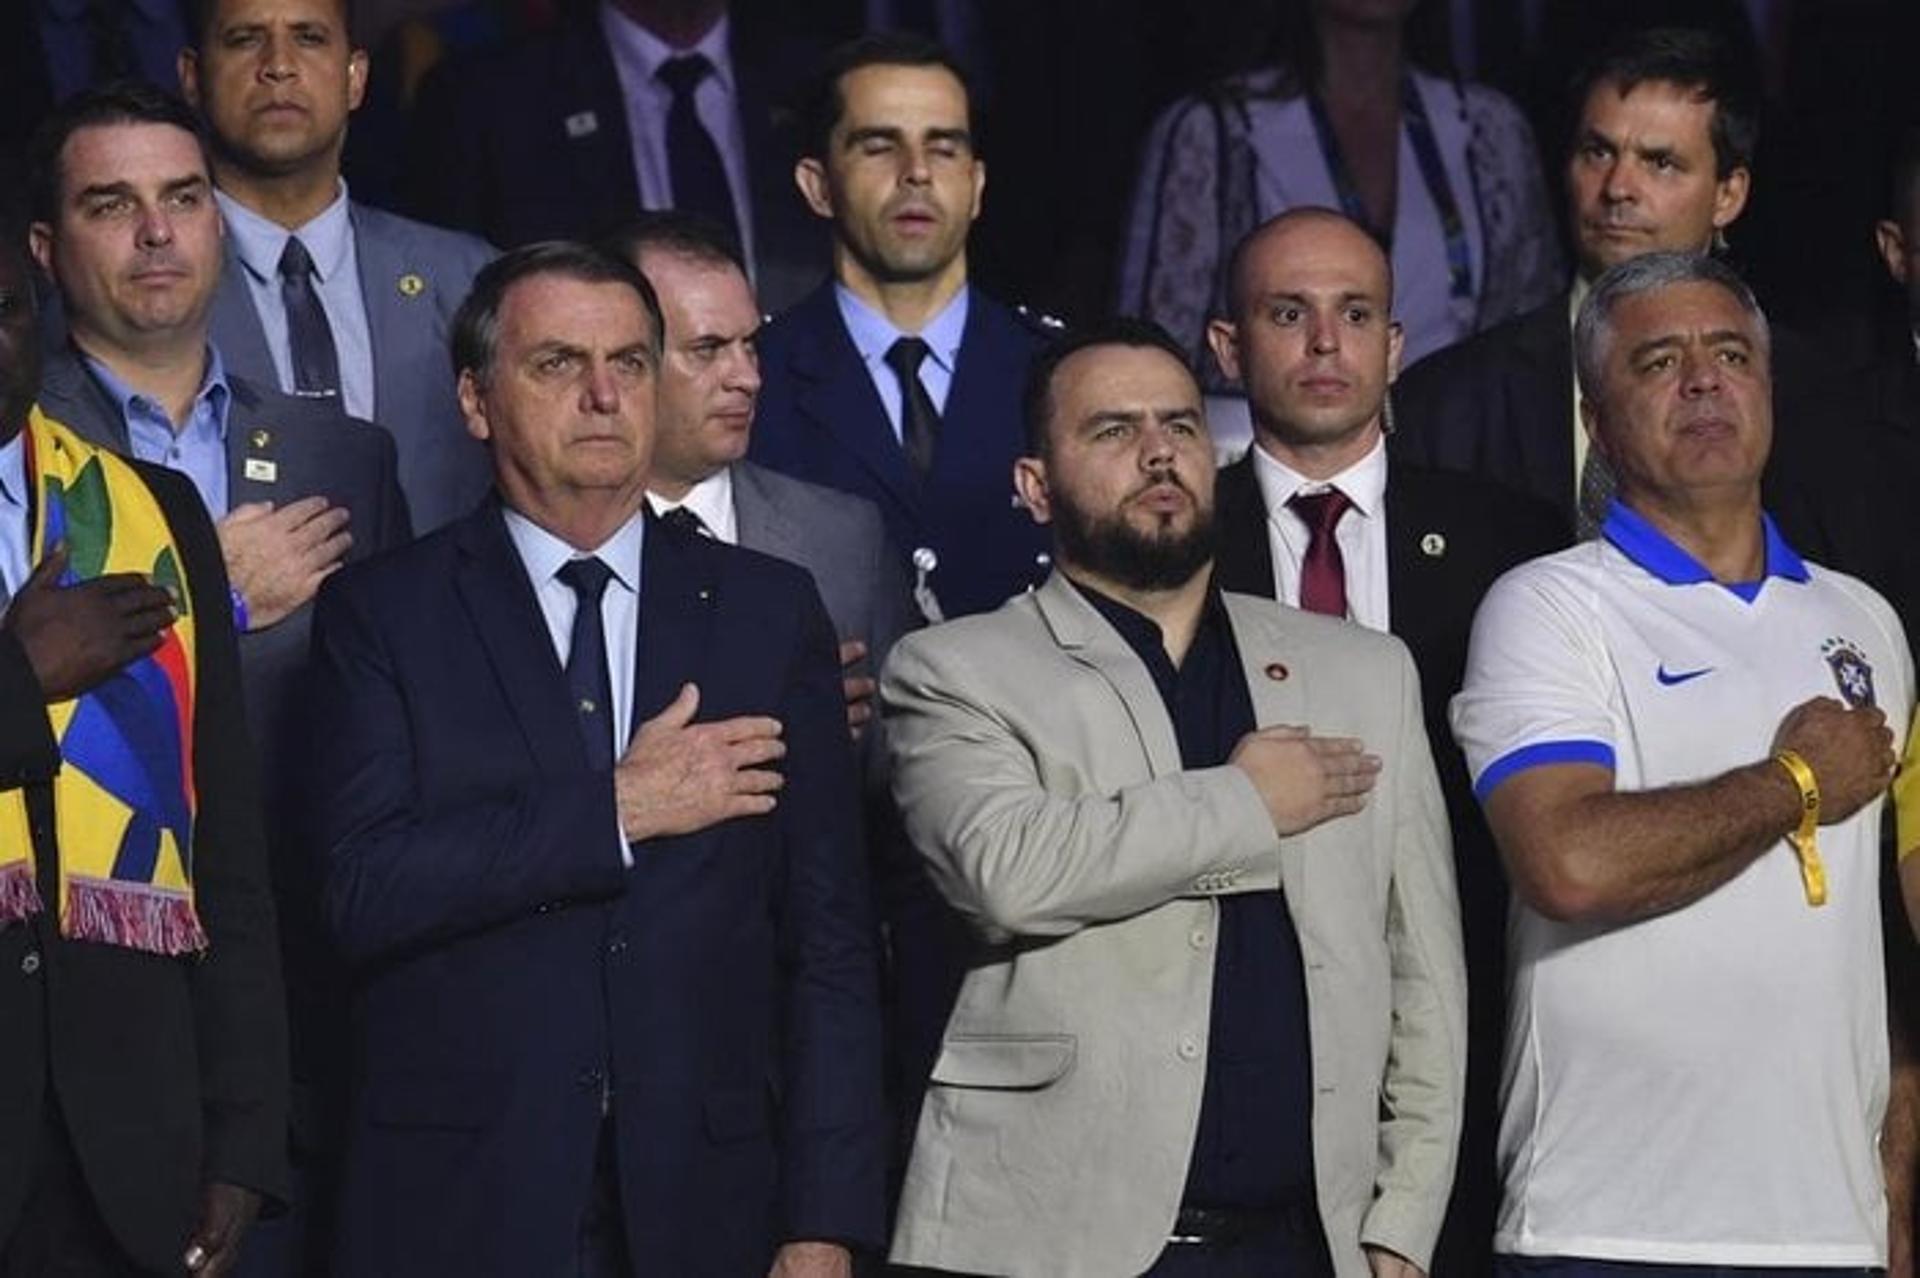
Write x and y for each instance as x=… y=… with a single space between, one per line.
x=826 y=104
x=1690 y=58
x=1121 y=330
x=689 y=235
x=200 y=14
x=121 y=102
x=476 y=325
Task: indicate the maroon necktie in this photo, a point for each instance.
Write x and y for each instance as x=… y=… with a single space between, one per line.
x=1323 y=574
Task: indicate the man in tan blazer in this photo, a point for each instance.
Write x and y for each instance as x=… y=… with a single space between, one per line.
x=1215 y=1019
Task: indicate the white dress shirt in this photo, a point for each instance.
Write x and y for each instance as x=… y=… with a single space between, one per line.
x=15 y=535
x=637 y=57
x=259 y=242
x=874 y=334
x=712 y=500
x=543 y=555
x=1361 y=534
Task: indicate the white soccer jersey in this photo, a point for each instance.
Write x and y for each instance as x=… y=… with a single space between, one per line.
x=1703 y=1087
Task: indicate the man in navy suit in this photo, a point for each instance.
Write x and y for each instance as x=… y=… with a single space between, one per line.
x=616 y=993
x=896 y=380
x=320 y=295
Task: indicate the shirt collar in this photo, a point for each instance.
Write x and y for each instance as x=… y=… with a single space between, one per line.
x=1634 y=536
x=873 y=333
x=13 y=471
x=1364 y=482
x=711 y=499
x=214 y=393
x=641 y=50
x=259 y=241
x=544 y=554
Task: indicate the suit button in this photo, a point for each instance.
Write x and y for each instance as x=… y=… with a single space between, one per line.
x=1189 y=1048
x=1197 y=938
x=31 y=963
x=618 y=945
x=588 y=1079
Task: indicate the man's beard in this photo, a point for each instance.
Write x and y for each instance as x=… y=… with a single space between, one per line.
x=1110 y=547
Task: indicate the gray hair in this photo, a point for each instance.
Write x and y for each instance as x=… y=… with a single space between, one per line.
x=1593 y=331
x=476 y=325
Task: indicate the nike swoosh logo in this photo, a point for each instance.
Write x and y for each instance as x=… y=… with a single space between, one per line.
x=1672 y=677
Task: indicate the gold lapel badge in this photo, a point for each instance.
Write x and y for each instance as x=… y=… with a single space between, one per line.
x=1433 y=545
x=411 y=285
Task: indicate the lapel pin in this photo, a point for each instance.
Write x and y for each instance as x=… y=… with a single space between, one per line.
x=1433 y=545
x=582 y=124
x=1276 y=672
x=260 y=470
x=260 y=437
x=411 y=285
x=706 y=594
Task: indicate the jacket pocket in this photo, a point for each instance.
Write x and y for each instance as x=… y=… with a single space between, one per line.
x=1008 y=1062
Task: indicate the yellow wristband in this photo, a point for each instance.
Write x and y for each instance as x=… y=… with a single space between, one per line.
x=1813 y=875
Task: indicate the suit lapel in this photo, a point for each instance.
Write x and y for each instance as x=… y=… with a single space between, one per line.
x=836 y=392
x=1244 y=560
x=678 y=594
x=1542 y=406
x=236 y=321
x=1421 y=585
x=592 y=126
x=492 y=585
x=256 y=450
x=398 y=321
x=71 y=396
x=762 y=524
x=1277 y=683
x=1084 y=635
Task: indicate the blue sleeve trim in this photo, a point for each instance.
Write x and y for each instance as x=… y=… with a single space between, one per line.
x=1538 y=755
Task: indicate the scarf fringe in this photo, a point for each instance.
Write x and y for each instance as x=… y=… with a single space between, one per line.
x=19 y=895
x=135 y=915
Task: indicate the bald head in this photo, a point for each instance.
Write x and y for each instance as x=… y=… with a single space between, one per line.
x=1311 y=337
x=1321 y=227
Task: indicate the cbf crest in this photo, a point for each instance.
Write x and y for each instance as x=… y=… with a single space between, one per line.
x=1851 y=671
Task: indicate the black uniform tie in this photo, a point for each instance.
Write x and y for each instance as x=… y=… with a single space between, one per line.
x=693 y=161
x=919 y=419
x=587 y=678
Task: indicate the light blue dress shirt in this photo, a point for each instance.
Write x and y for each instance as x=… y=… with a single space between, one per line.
x=15 y=535
x=197 y=449
x=328 y=238
x=543 y=555
x=873 y=335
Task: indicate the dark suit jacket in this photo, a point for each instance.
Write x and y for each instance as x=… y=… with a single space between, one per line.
x=509 y=966
x=821 y=419
x=171 y=1072
x=532 y=143
x=312 y=449
x=413 y=278
x=1500 y=404
x=1482 y=529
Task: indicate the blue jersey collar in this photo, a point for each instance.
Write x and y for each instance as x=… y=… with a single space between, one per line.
x=1636 y=538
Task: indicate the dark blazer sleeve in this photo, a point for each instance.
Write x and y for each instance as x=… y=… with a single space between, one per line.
x=28 y=753
x=239 y=1003
x=833 y=1140
x=403 y=868
x=393 y=523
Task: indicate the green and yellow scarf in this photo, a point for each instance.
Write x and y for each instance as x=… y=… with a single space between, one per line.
x=124 y=799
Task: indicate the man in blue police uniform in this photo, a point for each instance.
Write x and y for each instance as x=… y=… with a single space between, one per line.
x=896 y=380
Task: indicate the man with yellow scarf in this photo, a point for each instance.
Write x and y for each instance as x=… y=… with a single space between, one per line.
x=143 y=1058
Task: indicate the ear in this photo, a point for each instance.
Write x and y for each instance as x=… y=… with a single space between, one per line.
x=356 y=79
x=1891 y=239
x=1730 y=198
x=1590 y=418
x=40 y=244
x=1030 y=482
x=473 y=405
x=1223 y=339
x=1396 y=347
x=810 y=175
x=979 y=189
x=187 y=68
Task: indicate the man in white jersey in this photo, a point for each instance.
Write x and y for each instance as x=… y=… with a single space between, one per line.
x=1682 y=733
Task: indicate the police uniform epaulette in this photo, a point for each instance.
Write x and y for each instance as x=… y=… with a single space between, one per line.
x=1039 y=321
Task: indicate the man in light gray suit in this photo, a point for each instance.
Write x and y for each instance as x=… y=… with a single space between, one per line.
x=1214 y=1023
x=709 y=383
x=321 y=296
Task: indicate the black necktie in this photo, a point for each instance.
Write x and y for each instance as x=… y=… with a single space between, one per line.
x=919 y=419
x=685 y=521
x=316 y=366
x=587 y=678
x=693 y=161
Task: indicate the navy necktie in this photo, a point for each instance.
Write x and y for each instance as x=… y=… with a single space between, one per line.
x=1323 y=571
x=919 y=419
x=316 y=366
x=693 y=161
x=587 y=679
x=685 y=522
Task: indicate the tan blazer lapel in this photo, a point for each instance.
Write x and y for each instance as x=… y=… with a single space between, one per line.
x=1274 y=670
x=1086 y=638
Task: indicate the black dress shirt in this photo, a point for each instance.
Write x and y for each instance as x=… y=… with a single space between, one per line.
x=1254 y=1145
